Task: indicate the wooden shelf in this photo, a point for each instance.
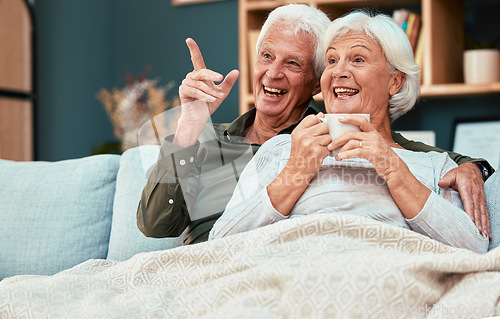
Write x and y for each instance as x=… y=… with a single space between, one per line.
x=459 y=89
x=264 y=5
x=443 y=41
x=438 y=90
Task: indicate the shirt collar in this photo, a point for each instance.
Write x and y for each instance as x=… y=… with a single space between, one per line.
x=239 y=126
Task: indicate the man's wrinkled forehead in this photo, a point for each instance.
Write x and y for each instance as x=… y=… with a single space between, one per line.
x=297 y=49
x=289 y=29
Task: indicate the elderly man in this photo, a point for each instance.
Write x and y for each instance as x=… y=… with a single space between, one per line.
x=198 y=168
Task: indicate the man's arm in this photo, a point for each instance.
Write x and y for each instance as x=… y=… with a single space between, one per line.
x=482 y=164
x=468 y=179
x=162 y=210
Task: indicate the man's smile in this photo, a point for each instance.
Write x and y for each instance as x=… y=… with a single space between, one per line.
x=273 y=92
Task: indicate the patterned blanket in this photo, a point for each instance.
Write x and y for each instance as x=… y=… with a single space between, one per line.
x=318 y=266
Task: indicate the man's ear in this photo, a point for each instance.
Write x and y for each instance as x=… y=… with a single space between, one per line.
x=397 y=82
x=317 y=89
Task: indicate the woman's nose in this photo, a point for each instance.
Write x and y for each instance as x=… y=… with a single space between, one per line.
x=340 y=70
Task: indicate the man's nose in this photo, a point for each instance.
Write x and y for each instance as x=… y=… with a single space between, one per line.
x=275 y=70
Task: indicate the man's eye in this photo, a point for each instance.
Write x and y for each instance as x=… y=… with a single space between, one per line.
x=266 y=55
x=358 y=60
x=294 y=63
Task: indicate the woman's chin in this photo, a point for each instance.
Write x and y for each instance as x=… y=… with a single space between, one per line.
x=344 y=110
x=343 y=106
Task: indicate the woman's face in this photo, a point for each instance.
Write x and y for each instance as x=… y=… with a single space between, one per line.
x=357 y=77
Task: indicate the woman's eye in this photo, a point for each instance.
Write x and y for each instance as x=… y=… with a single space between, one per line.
x=358 y=60
x=266 y=55
x=332 y=61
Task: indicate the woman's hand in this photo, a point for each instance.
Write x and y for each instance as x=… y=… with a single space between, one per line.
x=370 y=145
x=308 y=150
x=309 y=147
x=407 y=191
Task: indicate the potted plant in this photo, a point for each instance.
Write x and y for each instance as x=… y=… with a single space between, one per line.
x=481 y=62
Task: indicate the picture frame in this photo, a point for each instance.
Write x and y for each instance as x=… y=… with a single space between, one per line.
x=478 y=138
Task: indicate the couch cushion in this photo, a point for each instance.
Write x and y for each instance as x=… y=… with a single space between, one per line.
x=126 y=239
x=55 y=215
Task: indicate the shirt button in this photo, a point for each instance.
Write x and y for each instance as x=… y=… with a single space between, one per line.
x=182 y=162
x=170 y=201
x=191 y=159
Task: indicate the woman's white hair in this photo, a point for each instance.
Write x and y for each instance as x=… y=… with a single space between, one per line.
x=395 y=46
x=301 y=18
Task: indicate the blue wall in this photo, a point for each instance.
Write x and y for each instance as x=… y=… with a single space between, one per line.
x=85 y=45
x=153 y=33
x=74 y=61
x=439 y=114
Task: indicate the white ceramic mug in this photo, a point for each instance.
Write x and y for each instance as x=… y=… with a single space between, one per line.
x=336 y=129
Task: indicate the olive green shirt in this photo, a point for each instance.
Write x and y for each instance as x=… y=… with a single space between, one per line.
x=188 y=188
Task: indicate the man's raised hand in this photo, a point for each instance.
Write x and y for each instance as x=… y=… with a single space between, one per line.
x=200 y=97
x=199 y=85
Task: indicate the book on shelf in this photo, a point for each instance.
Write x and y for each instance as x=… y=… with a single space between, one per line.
x=413 y=29
x=401 y=17
x=411 y=23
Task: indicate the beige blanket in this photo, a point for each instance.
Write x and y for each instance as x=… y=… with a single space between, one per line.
x=322 y=266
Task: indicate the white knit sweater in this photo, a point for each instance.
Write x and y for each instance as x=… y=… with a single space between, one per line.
x=353 y=187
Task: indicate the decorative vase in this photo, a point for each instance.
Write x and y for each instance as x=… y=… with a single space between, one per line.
x=481 y=66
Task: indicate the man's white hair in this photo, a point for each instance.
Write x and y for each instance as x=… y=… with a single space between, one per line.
x=395 y=47
x=301 y=18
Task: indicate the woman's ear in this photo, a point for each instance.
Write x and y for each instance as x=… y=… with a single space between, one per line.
x=397 y=82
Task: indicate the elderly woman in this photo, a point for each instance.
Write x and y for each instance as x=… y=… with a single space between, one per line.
x=370 y=69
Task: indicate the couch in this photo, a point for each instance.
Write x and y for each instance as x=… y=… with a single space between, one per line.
x=55 y=215
x=72 y=223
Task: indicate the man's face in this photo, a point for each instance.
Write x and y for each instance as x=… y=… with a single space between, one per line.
x=283 y=77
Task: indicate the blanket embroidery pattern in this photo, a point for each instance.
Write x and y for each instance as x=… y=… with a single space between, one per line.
x=318 y=266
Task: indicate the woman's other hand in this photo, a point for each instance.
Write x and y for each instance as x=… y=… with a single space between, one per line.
x=308 y=150
x=309 y=147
